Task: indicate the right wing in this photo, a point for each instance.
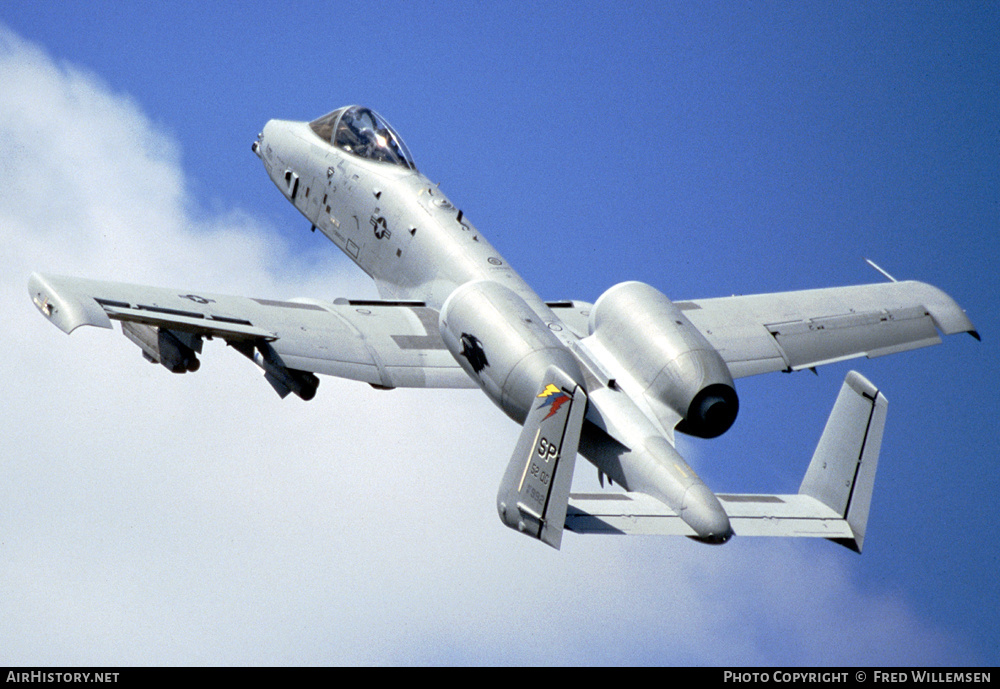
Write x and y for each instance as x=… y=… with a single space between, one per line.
x=789 y=331
x=385 y=344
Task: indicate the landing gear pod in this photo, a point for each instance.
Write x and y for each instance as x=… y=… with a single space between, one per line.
x=670 y=358
x=176 y=351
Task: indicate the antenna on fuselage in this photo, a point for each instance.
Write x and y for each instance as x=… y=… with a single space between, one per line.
x=876 y=267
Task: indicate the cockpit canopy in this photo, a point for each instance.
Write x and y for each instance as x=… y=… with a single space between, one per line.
x=364 y=133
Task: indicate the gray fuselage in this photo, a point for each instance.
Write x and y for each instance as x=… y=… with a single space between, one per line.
x=359 y=187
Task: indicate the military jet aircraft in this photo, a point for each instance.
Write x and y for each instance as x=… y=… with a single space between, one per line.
x=613 y=380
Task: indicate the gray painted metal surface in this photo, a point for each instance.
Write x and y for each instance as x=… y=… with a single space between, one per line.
x=534 y=493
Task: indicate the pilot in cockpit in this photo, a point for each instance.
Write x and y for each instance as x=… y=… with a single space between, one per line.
x=363 y=133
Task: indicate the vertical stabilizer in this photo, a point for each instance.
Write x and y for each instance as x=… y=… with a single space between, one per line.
x=841 y=474
x=534 y=493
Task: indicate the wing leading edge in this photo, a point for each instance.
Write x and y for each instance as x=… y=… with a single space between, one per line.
x=833 y=500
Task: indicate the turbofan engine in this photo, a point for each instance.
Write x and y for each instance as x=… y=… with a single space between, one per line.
x=670 y=359
x=503 y=344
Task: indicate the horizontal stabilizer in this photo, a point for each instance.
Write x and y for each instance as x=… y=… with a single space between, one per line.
x=749 y=515
x=832 y=502
x=534 y=493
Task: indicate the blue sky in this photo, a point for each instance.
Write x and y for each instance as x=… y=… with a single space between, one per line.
x=707 y=149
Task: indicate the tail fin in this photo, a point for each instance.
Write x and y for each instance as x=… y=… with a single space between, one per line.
x=841 y=474
x=534 y=493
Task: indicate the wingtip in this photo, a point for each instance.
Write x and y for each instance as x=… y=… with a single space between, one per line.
x=67 y=309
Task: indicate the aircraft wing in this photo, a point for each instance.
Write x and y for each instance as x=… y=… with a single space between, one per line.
x=796 y=330
x=383 y=343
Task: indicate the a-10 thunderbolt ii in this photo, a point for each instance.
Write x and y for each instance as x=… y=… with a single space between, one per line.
x=612 y=380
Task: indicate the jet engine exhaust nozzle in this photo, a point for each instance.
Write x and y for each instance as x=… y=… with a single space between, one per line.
x=712 y=412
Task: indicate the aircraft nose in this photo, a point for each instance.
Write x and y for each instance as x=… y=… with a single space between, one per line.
x=258 y=145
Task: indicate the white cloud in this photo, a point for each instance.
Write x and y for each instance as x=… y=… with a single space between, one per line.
x=153 y=518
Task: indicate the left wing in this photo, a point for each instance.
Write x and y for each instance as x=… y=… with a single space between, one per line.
x=789 y=331
x=383 y=343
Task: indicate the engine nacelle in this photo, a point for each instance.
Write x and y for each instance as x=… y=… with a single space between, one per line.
x=503 y=344
x=670 y=358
